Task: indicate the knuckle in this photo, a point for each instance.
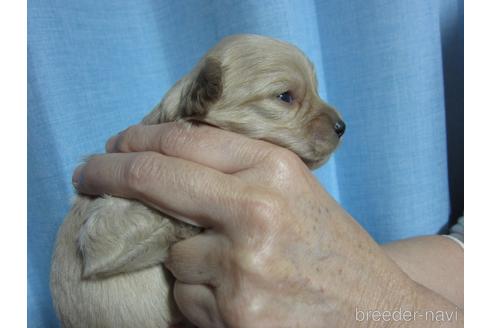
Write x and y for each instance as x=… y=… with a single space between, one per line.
x=283 y=163
x=251 y=262
x=284 y=156
x=263 y=208
x=243 y=309
x=141 y=169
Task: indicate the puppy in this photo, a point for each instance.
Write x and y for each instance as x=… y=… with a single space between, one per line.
x=107 y=265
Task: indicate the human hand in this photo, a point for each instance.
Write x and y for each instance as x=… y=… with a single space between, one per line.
x=278 y=250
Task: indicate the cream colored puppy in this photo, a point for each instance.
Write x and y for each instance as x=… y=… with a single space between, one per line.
x=107 y=266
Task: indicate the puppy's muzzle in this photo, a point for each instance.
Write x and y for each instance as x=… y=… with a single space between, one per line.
x=339 y=128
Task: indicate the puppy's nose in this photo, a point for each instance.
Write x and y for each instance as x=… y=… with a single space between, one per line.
x=339 y=128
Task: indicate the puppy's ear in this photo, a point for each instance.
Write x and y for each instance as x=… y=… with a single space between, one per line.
x=203 y=91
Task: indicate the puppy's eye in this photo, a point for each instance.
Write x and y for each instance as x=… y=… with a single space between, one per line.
x=286 y=97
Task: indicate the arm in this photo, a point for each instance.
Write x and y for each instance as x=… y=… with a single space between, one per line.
x=435 y=262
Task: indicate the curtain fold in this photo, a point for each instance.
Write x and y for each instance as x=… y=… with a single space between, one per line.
x=394 y=69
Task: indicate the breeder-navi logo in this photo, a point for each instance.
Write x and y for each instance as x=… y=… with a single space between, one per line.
x=405 y=315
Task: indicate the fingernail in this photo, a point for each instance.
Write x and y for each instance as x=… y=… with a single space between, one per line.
x=111 y=143
x=77 y=177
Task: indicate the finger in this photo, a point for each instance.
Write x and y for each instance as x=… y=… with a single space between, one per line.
x=222 y=150
x=174 y=186
x=196 y=260
x=198 y=305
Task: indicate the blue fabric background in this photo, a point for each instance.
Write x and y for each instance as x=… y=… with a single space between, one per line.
x=393 y=68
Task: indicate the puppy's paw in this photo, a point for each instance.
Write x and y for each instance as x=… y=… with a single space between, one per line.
x=119 y=236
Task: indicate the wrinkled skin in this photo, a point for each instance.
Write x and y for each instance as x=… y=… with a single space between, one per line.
x=278 y=250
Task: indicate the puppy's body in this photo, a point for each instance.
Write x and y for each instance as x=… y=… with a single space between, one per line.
x=107 y=266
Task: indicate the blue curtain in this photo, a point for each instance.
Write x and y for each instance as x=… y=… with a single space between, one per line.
x=393 y=68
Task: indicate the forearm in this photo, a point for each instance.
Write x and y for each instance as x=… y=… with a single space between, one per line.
x=433 y=310
x=434 y=262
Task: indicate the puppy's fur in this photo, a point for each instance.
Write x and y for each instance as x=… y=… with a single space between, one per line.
x=107 y=266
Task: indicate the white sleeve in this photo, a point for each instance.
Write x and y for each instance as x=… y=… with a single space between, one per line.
x=457 y=232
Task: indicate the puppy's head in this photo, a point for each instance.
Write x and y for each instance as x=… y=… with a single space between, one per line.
x=263 y=88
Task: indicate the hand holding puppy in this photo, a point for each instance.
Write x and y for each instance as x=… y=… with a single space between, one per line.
x=107 y=268
x=278 y=251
